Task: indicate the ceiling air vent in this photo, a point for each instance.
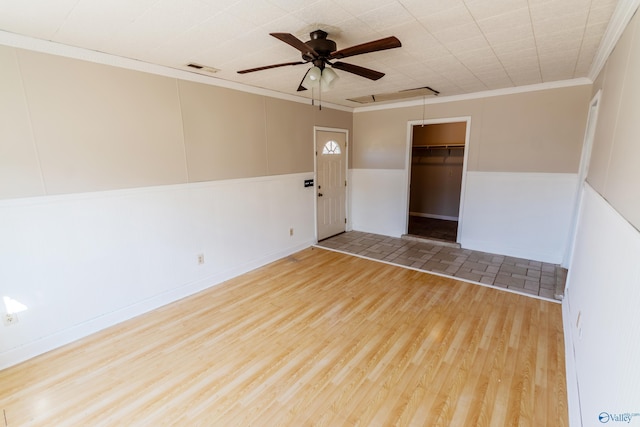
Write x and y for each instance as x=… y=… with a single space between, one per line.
x=394 y=96
x=202 y=68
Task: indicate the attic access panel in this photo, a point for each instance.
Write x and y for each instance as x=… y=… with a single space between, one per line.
x=394 y=96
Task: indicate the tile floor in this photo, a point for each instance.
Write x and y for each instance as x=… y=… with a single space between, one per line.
x=521 y=275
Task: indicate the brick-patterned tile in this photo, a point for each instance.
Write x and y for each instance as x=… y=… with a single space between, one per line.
x=487 y=280
x=525 y=276
x=514 y=261
x=513 y=269
x=547 y=293
x=532 y=285
x=534 y=273
x=548 y=280
x=508 y=280
x=475 y=265
x=493 y=269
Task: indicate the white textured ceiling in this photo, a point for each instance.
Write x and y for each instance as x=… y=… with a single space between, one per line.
x=453 y=46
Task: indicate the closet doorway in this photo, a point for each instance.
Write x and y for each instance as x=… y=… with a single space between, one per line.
x=436 y=176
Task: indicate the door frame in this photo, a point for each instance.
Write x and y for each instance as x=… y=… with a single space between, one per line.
x=409 y=149
x=347 y=198
x=583 y=170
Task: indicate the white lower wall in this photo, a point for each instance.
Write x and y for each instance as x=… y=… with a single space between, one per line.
x=524 y=215
x=379 y=201
x=603 y=305
x=83 y=262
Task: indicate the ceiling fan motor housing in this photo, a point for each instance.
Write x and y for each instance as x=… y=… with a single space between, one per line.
x=320 y=44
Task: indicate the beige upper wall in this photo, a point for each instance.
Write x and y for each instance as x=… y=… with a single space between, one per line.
x=613 y=170
x=608 y=111
x=289 y=136
x=73 y=126
x=99 y=128
x=527 y=132
x=19 y=167
x=534 y=132
x=224 y=132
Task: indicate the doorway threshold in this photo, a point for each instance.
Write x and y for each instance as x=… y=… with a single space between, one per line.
x=432 y=240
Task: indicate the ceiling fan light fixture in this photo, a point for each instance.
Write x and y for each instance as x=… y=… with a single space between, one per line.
x=315 y=73
x=312 y=79
x=328 y=78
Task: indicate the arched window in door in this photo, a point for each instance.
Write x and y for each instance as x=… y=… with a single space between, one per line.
x=331 y=147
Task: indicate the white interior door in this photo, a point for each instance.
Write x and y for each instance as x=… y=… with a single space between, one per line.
x=331 y=149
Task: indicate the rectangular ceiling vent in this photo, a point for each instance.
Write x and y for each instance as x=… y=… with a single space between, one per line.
x=394 y=96
x=202 y=68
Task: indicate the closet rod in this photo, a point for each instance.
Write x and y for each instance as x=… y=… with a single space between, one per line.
x=445 y=146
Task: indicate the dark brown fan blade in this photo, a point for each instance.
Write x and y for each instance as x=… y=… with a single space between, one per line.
x=266 y=67
x=292 y=40
x=356 y=69
x=374 y=46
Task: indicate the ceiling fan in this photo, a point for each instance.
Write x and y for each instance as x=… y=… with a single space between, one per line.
x=320 y=51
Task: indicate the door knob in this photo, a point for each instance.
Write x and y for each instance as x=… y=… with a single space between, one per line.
x=319 y=194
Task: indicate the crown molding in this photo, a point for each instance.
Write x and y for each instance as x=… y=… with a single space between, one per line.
x=59 y=49
x=624 y=11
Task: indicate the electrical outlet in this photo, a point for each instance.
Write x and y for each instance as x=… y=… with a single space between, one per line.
x=10 y=319
x=200 y=258
x=291 y=231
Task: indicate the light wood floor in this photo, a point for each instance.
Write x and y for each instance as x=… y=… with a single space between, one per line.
x=318 y=338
